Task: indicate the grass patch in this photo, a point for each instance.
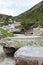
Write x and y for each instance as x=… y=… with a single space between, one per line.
x=5 y=33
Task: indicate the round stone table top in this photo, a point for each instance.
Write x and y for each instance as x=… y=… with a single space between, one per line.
x=30 y=52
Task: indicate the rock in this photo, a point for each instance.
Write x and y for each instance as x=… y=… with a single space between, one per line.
x=2 y=54
x=8 y=61
x=9 y=51
x=29 y=55
x=5 y=60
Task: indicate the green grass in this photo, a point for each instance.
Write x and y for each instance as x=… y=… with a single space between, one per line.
x=5 y=33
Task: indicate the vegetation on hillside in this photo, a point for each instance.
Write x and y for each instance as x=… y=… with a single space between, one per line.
x=5 y=19
x=28 y=18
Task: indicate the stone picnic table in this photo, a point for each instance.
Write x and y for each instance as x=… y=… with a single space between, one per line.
x=29 y=55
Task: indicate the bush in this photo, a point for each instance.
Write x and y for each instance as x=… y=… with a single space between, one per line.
x=5 y=33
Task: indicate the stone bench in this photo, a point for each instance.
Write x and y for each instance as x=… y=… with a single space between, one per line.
x=29 y=55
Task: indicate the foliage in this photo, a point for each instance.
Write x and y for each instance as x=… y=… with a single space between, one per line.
x=35 y=14
x=4 y=19
x=5 y=33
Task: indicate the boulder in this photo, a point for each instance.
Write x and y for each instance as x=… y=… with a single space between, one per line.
x=9 y=51
x=8 y=61
x=29 y=55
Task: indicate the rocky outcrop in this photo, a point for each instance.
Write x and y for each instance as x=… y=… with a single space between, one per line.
x=9 y=51
x=28 y=62
x=29 y=55
x=38 y=31
x=5 y=60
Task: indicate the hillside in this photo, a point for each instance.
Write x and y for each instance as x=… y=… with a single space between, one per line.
x=5 y=19
x=27 y=19
x=34 y=15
